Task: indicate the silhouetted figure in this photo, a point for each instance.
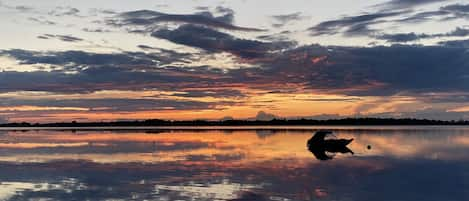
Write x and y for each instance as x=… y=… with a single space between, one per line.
x=319 y=146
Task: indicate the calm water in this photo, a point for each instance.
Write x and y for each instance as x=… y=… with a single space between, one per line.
x=403 y=164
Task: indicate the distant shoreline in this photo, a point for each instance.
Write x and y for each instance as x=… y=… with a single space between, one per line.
x=243 y=123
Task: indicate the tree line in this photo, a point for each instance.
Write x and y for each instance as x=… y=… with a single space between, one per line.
x=274 y=122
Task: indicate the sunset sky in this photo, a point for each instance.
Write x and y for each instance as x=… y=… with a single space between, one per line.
x=104 y=60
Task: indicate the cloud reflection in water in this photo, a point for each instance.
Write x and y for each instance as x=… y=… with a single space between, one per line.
x=420 y=164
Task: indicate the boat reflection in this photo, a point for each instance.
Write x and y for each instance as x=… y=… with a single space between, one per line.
x=325 y=149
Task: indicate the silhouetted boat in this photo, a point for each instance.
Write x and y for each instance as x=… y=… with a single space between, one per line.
x=320 y=146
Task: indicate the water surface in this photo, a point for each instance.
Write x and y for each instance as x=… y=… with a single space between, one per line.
x=234 y=163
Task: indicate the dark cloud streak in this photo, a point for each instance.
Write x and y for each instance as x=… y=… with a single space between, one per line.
x=360 y=25
x=65 y=38
x=150 y=18
x=351 y=24
x=283 y=20
x=399 y=4
x=444 y=13
x=64 y=11
x=407 y=37
x=215 y=41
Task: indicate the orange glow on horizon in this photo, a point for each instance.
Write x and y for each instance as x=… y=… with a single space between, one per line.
x=281 y=104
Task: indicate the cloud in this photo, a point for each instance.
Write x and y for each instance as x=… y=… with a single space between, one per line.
x=444 y=13
x=203 y=8
x=80 y=60
x=329 y=99
x=78 y=71
x=459 y=31
x=215 y=41
x=375 y=70
x=402 y=37
x=105 y=78
x=462 y=9
x=165 y=52
x=23 y=8
x=227 y=14
x=264 y=116
x=65 y=38
x=399 y=4
x=148 y=18
x=64 y=11
x=282 y=20
x=85 y=72
x=423 y=17
x=444 y=97
x=282 y=36
x=96 y=30
x=407 y=37
x=352 y=25
x=42 y=21
x=455 y=43
x=215 y=93
x=20 y=8
x=115 y=105
x=358 y=71
x=360 y=25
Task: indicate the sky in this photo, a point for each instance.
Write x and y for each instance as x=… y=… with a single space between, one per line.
x=107 y=60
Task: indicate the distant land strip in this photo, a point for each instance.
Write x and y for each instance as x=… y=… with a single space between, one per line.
x=274 y=122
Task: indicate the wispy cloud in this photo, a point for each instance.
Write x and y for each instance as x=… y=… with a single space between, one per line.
x=282 y=20
x=149 y=18
x=65 y=38
x=352 y=25
x=400 y=4
x=407 y=37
